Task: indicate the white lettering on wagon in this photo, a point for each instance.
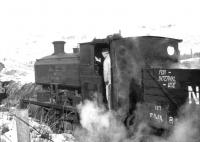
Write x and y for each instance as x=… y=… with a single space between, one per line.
x=156 y=113
x=167 y=79
x=157 y=117
x=162 y=72
x=193 y=96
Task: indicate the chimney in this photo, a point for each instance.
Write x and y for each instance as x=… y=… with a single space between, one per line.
x=59 y=47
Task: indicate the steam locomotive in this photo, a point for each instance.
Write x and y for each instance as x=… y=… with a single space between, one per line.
x=144 y=69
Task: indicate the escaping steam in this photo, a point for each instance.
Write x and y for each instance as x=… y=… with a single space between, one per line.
x=100 y=125
x=187 y=129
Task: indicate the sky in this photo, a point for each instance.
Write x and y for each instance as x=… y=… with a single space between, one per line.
x=28 y=27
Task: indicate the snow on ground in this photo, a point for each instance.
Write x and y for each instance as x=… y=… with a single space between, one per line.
x=17 y=71
x=8 y=130
x=191 y=63
x=196 y=59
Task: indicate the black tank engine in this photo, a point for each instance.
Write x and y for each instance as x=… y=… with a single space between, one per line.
x=144 y=69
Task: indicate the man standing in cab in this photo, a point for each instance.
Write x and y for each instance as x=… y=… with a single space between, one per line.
x=107 y=74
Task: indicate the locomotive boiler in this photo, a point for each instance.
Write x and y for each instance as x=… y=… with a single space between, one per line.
x=143 y=70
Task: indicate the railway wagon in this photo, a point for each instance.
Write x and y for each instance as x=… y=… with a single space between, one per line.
x=143 y=70
x=166 y=91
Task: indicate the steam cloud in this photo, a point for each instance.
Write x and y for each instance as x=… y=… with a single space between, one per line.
x=100 y=125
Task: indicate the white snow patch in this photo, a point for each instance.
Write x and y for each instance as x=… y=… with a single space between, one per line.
x=17 y=71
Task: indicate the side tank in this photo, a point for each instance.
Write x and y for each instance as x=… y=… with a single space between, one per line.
x=59 y=68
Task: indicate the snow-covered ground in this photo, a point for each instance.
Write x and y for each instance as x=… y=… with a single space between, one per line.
x=23 y=73
x=191 y=63
x=8 y=130
x=191 y=60
x=17 y=71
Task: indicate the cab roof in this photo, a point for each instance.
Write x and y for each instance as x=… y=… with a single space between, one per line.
x=111 y=38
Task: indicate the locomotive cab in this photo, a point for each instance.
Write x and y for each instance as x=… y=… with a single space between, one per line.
x=128 y=57
x=91 y=70
x=91 y=59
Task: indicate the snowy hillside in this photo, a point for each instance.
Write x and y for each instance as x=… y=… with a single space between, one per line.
x=17 y=71
x=191 y=63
